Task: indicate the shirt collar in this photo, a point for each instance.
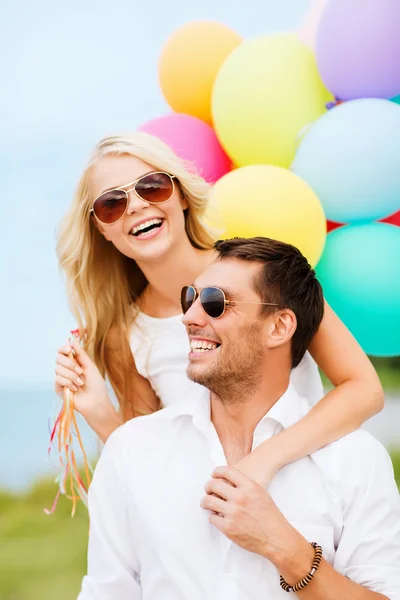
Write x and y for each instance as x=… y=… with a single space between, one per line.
x=290 y=408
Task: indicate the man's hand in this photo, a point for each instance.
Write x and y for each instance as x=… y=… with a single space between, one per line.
x=244 y=511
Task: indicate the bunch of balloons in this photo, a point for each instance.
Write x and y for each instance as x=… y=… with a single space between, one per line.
x=292 y=134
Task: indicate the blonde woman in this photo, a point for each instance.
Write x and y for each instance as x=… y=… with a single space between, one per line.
x=132 y=238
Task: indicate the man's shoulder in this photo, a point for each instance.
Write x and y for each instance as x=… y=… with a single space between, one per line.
x=353 y=458
x=153 y=428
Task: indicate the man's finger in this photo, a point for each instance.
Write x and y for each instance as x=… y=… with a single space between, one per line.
x=232 y=476
x=220 y=488
x=218 y=521
x=214 y=504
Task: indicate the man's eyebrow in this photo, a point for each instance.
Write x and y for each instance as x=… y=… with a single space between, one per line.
x=229 y=293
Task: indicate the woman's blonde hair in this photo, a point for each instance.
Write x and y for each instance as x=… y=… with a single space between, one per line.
x=103 y=285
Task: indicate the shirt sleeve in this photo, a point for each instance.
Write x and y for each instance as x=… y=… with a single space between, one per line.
x=307 y=380
x=113 y=569
x=369 y=549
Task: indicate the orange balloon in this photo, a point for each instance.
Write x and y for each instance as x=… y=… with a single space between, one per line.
x=189 y=64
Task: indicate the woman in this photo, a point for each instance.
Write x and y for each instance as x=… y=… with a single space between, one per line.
x=133 y=237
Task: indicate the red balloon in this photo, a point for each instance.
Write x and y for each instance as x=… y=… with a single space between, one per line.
x=393 y=219
x=331 y=225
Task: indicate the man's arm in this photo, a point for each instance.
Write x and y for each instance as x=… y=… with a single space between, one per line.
x=112 y=564
x=327 y=584
x=368 y=555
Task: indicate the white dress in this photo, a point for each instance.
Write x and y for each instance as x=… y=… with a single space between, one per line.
x=161 y=347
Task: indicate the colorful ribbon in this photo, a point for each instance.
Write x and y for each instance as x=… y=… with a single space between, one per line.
x=62 y=436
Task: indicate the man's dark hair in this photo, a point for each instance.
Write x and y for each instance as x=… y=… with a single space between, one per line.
x=286 y=279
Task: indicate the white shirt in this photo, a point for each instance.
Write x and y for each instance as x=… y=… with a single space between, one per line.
x=161 y=351
x=151 y=540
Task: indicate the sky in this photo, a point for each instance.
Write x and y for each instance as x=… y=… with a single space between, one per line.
x=71 y=73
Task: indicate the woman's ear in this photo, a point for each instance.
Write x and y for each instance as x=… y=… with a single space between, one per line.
x=184 y=201
x=280 y=328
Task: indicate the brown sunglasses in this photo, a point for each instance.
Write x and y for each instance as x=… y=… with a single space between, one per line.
x=154 y=188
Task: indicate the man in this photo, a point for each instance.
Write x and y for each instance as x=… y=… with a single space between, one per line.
x=155 y=534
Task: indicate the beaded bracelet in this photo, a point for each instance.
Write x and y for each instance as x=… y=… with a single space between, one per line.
x=306 y=580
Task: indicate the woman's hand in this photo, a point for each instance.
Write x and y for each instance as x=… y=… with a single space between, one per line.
x=259 y=468
x=91 y=399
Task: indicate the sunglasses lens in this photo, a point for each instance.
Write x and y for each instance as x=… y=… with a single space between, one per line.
x=110 y=206
x=188 y=295
x=155 y=188
x=213 y=302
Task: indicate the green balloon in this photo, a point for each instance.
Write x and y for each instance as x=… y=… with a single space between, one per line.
x=360 y=274
x=397 y=99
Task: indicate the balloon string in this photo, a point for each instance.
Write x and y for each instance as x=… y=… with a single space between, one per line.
x=62 y=435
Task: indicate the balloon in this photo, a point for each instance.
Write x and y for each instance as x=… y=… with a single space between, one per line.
x=397 y=99
x=358 y=48
x=267 y=90
x=308 y=30
x=331 y=226
x=350 y=157
x=272 y=202
x=360 y=274
x=192 y=140
x=189 y=63
x=393 y=219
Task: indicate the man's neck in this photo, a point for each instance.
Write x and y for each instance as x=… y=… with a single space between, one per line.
x=235 y=421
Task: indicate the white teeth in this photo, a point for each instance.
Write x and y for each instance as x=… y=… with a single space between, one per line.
x=145 y=225
x=202 y=345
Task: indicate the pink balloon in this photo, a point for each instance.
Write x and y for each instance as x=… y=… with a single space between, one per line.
x=308 y=29
x=192 y=140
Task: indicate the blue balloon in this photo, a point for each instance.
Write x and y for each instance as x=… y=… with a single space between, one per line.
x=350 y=157
x=360 y=274
x=397 y=99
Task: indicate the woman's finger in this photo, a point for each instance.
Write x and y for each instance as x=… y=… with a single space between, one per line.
x=70 y=375
x=69 y=363
x=63 y=382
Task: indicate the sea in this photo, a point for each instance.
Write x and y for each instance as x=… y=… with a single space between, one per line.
x=25 y=419
x=24 y=434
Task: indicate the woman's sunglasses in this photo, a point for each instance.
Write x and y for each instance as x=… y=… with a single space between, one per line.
x=153 y=188
x=212 y=299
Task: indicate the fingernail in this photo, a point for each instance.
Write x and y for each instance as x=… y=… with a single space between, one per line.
x=75 y=388
x=79 y=370
x=79 y=381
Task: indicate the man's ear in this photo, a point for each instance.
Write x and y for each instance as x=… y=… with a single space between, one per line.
x=280 y=328
x=100 y=228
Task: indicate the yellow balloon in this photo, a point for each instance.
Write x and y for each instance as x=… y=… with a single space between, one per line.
x=189 y=63
x=267 y=90
x=269 y=201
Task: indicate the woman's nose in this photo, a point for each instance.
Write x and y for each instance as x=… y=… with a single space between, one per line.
x=135 y=202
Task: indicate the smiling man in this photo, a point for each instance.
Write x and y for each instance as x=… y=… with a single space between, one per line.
x=329 y=524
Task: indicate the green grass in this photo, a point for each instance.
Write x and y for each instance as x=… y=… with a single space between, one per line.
x=395 y=454
x=41 y=557
x=44 y=557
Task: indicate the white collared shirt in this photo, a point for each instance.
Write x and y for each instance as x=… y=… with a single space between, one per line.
x=151 y=540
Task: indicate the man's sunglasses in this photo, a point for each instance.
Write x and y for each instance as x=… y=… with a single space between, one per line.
x=212 y=299
x=154 y=188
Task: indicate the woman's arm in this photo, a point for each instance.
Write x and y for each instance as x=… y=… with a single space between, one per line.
x=357 y=396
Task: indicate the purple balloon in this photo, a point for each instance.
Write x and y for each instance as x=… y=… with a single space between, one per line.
x=358 y=48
